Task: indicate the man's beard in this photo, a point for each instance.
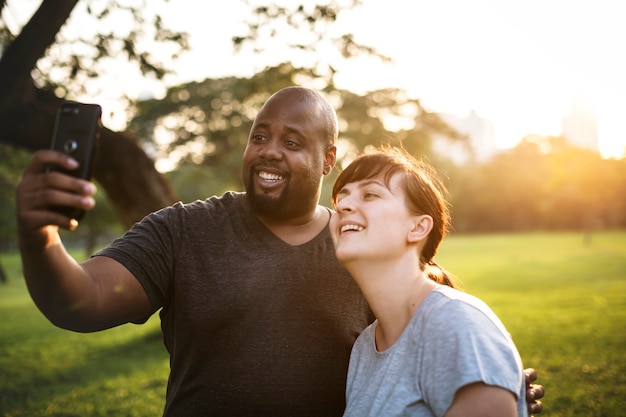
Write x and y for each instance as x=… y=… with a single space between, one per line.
x=290 y=202
x=267 y=205
x=262 y=203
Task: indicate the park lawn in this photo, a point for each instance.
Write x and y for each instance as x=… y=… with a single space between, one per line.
x=47 y=371
x=562 y=296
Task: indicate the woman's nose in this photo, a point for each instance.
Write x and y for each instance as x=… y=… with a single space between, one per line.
x=344 y=205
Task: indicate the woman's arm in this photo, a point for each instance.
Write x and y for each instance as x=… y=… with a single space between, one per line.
x=482 y=400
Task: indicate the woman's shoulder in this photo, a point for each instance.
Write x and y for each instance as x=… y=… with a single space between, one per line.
x=446 y=306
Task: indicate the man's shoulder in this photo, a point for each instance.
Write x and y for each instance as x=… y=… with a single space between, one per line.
x=214 y=210
x=228 y=201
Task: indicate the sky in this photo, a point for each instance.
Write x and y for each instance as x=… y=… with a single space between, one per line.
x=520 y=64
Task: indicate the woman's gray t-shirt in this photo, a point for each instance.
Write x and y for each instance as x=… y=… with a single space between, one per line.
x=452 y=340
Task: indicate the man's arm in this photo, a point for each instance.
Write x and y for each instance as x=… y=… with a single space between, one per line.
x=95 y=295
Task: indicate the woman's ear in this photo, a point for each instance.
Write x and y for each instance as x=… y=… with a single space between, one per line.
x=422 y=226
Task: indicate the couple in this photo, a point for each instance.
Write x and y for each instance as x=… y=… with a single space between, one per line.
x=257 y=314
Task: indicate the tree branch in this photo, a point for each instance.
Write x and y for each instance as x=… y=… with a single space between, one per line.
x=22 y=54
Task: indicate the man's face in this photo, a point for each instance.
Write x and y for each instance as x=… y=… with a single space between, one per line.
x=286 y=157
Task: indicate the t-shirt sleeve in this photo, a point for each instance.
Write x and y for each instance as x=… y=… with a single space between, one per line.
x=148 y=250
x=464 y=344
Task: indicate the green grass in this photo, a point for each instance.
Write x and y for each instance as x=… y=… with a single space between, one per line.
x=46 y=371
x=563 y=299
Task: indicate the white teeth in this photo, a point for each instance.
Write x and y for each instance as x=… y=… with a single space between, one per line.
x=351 y=227
x=270 y=177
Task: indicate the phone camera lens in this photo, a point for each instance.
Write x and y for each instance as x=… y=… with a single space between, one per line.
x=70 y=110
x=70 y=146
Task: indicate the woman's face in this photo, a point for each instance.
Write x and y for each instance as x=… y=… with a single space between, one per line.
x=372 y=221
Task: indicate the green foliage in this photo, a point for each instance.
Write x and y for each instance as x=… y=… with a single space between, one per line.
x=308 y=31
x=207 y=123
x=539 y=185
x=561 y=296
x=13 y=163
x=197 y=182
x=387 y=116
x=132 y=34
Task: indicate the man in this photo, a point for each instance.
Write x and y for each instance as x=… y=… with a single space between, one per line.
x=257 y=315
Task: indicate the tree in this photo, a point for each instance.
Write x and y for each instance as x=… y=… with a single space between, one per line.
x=206 y=123
x=543 y=183
x=28 y=106
x=29 y=98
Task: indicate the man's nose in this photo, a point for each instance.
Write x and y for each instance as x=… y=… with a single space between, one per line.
x=271 y=150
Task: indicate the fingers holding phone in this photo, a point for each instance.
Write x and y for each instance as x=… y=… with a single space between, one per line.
x=43 y=189
x=76 y=134
x=55 y=188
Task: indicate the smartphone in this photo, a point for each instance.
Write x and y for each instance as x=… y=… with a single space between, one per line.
x=76 y=133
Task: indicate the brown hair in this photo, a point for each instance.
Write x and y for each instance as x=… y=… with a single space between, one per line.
x=424 y=191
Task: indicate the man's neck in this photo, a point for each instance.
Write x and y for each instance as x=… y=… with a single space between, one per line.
x=297 y=231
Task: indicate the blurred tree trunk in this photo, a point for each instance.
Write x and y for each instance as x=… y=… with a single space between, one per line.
x=27 y=117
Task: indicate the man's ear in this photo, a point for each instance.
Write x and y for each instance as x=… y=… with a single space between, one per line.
x=330 y=159
x=422 y=225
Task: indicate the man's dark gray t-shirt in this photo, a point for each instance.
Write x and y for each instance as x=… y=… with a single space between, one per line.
x=253 y=325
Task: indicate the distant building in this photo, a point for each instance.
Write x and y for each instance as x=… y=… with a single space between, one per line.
x=580 y=127
x=480 y=133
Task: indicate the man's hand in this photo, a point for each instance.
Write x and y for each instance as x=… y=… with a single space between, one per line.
x=41 y=189
x=533 y=392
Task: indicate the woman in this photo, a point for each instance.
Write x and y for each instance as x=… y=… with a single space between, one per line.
x=433 y=350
